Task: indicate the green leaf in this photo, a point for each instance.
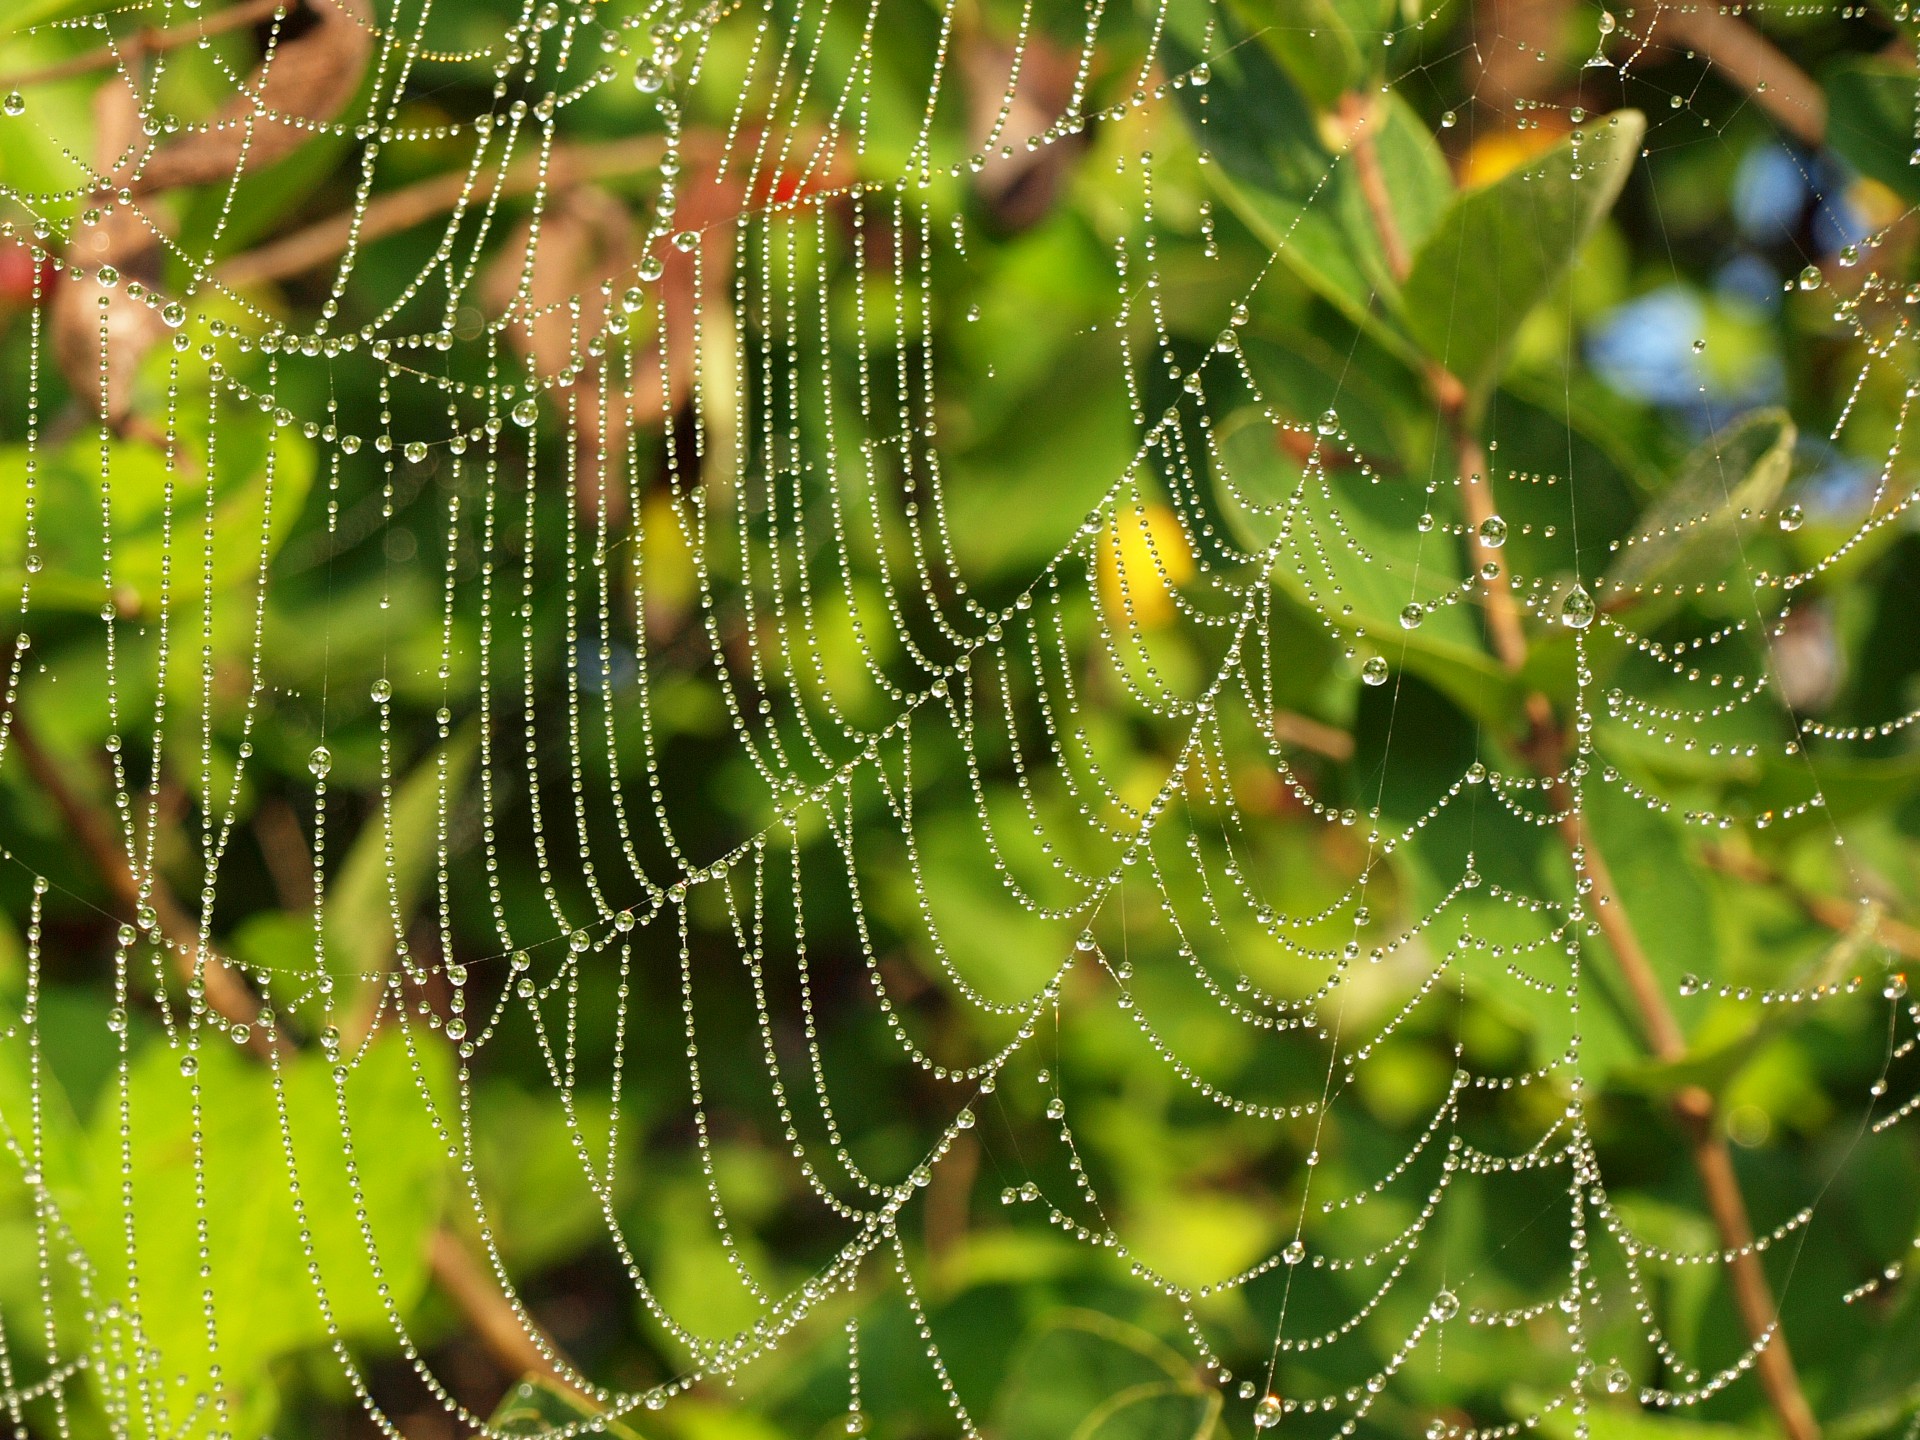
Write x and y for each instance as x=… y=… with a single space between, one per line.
x=1693 y=527
x=1365 y=536
x=264 y=1300
x=1328 y=46
x=538 y=1406
x=1870 y=119
x=1300 y=198
x=1162 y=1410
x=1502 y=249
x=1082 y=1371
x=67 y=515
x=377 y=888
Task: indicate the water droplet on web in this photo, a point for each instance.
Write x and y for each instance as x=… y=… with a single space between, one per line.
x=1850 y=256
x=1329 y=423
x=1411 y=617
x=382 y=691
x=189 y=1065
x=1896 y=986
x=1445 y=1305
x=652 y=268
x=15 y=104
x=1576 y=611
x=1792 y=518
x=1493 y=532
x=320 y=762
x=1449 y=120
x=526 y=412
x=1295 y=1252
x=1689 y=984
x=647 y=78
x=579 y=941
x=1266 y=1414
x=1811 y=278
x=173 y=314
x=1375 y=671
x=1607 y=23
x=1618 y=1381
x=416 y=451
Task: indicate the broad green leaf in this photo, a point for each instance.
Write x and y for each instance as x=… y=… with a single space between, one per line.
x=1329 y=47
x=1076 y=1364
x=377 y=888
x=1668 y=904
x=1502 y=249
x=1870 y=104
x=538 y=1405
x=1693 y=528
x=266 y=1306
x=148 y=528
x=1161 y=1410
x=1300 y=198
x=1363 y=536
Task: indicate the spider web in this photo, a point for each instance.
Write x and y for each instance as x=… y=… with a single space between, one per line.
x=716 y=460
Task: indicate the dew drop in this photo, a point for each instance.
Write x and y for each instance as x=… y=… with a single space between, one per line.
x=1266 y=1414
x=1375 y=671
x=1445 y=1305
x=1576 y=611
x=1792 y=518
x=526 y=412
x=1411 y=617
x=1493 y=532
x=382 y=691
x=1811 y=278
x=320 y=762
x=16 y=104
x=173 y=314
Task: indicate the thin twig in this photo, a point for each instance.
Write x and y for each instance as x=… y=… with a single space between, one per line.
x=1750 y=60
x=415 y=204
x=155 y=41
x=1546 y=750
x=1828 y=910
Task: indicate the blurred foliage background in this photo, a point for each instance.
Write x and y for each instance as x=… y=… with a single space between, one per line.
x=1730 y=337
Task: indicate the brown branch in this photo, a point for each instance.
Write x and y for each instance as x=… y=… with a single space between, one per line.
x=1778 y=86
x=1546 y=750
x=499 y=1326
x=504 y=1330
x=415 y=204
x=1828 y=910
x=1292 y=728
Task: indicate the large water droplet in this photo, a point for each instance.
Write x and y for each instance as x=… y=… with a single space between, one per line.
x=526 y=412
x=1811 y=278
x=1445 y=1305
x=1792 y=518
x=1329 y=423
x=1411 y=617
x=1576 y=611
x=1493 y=532
x=320 y=762
x=1266 y=1414
x=15 y=104
x=1375 y=671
